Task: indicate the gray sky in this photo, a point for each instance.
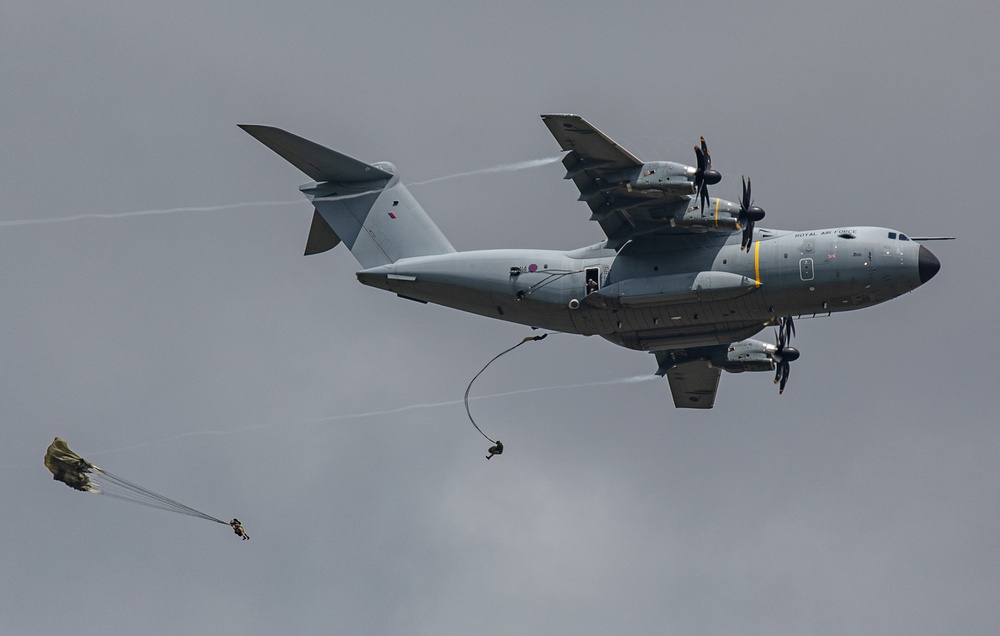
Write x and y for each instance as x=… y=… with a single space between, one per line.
x=194 y=352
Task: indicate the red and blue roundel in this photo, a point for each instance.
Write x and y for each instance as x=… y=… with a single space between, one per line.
x=532 y=268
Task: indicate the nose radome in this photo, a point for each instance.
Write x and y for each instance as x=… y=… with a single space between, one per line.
x=927 y=265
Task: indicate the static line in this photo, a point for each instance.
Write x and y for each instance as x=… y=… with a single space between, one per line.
x=506 y=167
x=357 y=416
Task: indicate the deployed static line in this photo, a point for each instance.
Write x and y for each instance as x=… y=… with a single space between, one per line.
x=80 y=474
x=497 y=448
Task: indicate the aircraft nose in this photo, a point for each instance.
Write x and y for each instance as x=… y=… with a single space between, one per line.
x=927 y=265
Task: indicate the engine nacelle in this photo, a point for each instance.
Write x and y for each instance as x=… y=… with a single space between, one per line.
x=661 y=176
x=746 y=355
x=664 y=175
x=720 y=215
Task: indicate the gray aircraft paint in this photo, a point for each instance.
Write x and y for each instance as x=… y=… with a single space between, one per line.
x=671 y=279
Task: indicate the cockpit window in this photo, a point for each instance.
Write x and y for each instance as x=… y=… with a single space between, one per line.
x=892 y=235
x=903 y=237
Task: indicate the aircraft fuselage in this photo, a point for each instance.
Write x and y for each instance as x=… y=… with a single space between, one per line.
x=683 y=275
x=690 y=291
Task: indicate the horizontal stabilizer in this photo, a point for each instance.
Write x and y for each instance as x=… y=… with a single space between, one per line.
x=321 y=236
x=320 y=163
x=366 y=207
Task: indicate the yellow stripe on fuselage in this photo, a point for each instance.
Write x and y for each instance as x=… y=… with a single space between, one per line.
x=717 y=212
x=756 y=263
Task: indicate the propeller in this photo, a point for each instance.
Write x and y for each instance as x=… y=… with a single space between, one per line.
x=784 y=354
x=704 y=176
x=749 y=214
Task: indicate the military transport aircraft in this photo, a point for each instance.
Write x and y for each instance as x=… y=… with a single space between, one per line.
x=681 y=275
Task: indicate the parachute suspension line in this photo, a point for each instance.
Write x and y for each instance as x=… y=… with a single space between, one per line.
x=79 y=474
x=469 y=388
x=138 y=494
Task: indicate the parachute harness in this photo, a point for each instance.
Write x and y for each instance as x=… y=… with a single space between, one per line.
x=469 y=388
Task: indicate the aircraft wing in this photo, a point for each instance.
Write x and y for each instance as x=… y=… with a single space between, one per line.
x=693 y=384
x=627 y=196
x=576 y=134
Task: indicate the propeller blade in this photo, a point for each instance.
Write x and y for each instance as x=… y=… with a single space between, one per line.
x=785 y=371
x=704 y=176
x=749 y=214
x=783 y=355
x=787 y=328
x=747 y=236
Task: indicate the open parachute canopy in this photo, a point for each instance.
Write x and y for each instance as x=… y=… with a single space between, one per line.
x=68 y=467
x=79 y=474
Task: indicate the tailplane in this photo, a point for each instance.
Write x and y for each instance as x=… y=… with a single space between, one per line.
x=364 y=205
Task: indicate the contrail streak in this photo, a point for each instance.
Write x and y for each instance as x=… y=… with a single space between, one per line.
x=506 y=167
x=357 y=416
x=122 y=215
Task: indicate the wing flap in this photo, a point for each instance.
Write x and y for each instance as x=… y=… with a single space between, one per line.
x=693 y=384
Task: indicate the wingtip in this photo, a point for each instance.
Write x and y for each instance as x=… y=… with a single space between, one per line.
x=255 y=128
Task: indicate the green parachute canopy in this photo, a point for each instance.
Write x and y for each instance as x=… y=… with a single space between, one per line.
x=68 y=467
x=79 y=474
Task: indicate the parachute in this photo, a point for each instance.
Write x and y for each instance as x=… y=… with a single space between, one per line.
x=68 y=467
x=79 y=474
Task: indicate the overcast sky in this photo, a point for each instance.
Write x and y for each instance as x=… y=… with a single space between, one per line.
x=198 y=353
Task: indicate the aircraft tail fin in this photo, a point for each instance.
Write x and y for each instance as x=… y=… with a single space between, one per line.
x=364 y=205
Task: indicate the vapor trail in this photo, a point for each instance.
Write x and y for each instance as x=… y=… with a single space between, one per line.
x=428 y=405
x=122 y=215
x=355 y=416
x=506 y=167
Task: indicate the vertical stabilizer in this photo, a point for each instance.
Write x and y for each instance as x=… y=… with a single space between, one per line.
x=363 y=205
